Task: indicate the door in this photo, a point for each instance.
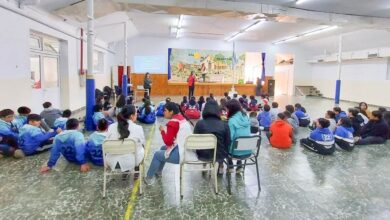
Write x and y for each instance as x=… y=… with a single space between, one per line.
x=271 y=87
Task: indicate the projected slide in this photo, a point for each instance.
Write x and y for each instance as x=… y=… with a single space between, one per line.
x=151 y=64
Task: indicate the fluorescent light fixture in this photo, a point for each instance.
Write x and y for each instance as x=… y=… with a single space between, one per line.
x=252 y=26
x=305 y=34
x=180 y=21
x=178 y=33
x=234 y=36
x=317 y=31
x=298 y=2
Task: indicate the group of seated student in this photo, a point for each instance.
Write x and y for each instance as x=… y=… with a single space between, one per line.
x=28 y=134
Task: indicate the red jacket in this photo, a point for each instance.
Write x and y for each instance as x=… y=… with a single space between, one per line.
x=191 y=80
x=282 y=134
x=172 y=130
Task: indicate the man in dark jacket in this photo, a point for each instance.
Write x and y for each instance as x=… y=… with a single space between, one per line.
x=375 y=131
x=212 y=124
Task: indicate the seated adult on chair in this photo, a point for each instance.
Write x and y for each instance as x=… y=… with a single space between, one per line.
x=212 y=124
x=239 y=126
x=70 y=143
x=174 y=135
x=321 y=140
x=375 y=131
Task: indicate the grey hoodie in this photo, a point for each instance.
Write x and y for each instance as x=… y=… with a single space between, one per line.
x=50 y=115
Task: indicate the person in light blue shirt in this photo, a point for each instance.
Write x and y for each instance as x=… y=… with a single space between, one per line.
x=21 y=118
x=61 y=121
x=8 y=135
x=95 y=141
x=70 y=143
x=321 y=140
x=99 y=114
x=32 y=138
x=343 y=134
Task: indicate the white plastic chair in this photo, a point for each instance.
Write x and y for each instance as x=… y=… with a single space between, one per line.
x=199 y=142
x=119 y=147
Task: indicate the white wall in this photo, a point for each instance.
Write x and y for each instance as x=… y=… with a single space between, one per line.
x=364 y=80
x=142 y=45
x=15 y=62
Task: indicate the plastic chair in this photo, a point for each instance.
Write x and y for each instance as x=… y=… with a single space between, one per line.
x=119 y=147
x=199 y=142
x=245 y=143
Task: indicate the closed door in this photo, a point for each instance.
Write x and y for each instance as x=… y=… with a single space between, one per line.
x=271 y=87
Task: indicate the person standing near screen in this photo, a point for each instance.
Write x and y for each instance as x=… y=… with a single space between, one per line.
x=147 y=84
x=191 y=84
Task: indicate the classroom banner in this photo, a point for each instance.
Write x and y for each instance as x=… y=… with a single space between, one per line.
x=209 y=65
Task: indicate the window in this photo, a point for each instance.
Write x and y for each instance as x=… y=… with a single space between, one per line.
x=98 y=62
x=44 y=61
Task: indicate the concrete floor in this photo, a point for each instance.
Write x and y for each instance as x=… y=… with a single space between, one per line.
x=296 y=184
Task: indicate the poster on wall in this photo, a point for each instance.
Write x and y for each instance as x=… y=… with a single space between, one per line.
x=209 y=65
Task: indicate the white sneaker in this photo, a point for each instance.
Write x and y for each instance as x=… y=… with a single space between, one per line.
x=18 y=154
x=149 y=181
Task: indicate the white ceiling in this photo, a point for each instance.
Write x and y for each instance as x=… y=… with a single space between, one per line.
x=228 y=17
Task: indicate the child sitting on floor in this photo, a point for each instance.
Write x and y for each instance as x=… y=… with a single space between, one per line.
x=61 y=122
x=93 y=147
x=21 y=119
x=321 y=140
x=50 y=114
x=33 y=139
x=253 y=103
x=100 y=114
x=254 y=122
x=280 y=133
x=147 y=114
x=375 y=131
x=343 y=135
x=160 y=108
x=8 y=135
x=274 y=111
x=356 y=120
x=291 y=121
x=303 y=117
x=339 y=113
x=192 y=111
x=264 y=118
x=71 y=145
x=184 y=104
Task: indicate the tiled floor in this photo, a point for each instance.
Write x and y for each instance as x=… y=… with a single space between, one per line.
x=296 y=184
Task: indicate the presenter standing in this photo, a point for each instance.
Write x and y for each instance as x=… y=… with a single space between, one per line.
x=147 y=84
x=191 y=84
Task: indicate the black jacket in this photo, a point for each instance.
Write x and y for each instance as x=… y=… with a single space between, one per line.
x=375 y=128
x=357 y=125
x=212 y=124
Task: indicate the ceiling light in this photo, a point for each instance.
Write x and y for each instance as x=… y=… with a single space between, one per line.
x=252 y=26
x=305 y=34
x=180 y=21
x=298 y=2
x=234 y=36
x=178 y=33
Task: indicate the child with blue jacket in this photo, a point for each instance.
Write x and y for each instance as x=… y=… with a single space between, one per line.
x=21 y=119
x=321 y=140
x=61 y=122
x=99 y=114
x=160 y=108
x=33 y=139
x=339 y=113
x=71 y=145
x=264 y=118
x=343 y=134
x=147 y=115
x=94 y=144
x=303 y=117
x=8 y=135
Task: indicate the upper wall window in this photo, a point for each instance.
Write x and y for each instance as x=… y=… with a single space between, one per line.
x=98 y=62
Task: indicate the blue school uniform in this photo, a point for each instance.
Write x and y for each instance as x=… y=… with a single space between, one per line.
x=94 y=147
x=264 y=119
x=60 y=123
x=147 y=118
x=71 y=145
x=344 y=133
x=342 y=114
x=160 y=109
x=99 y=115
x=301 y=115
x=8 y=129
x=19 y=121
x=31 y=138
x=322 y=136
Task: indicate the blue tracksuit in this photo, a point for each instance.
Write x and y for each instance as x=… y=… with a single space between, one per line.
x=344 y=133
x=160 y=109
x=342 y=114
x=301 y=115
x=8 y=129
x=149 y=118
x=94 y=147
x=264 y=119
x=71 y=145
x=99 y=115
x=31 y=138
x=322 y=136
x=19 y=121
x=60 y=123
